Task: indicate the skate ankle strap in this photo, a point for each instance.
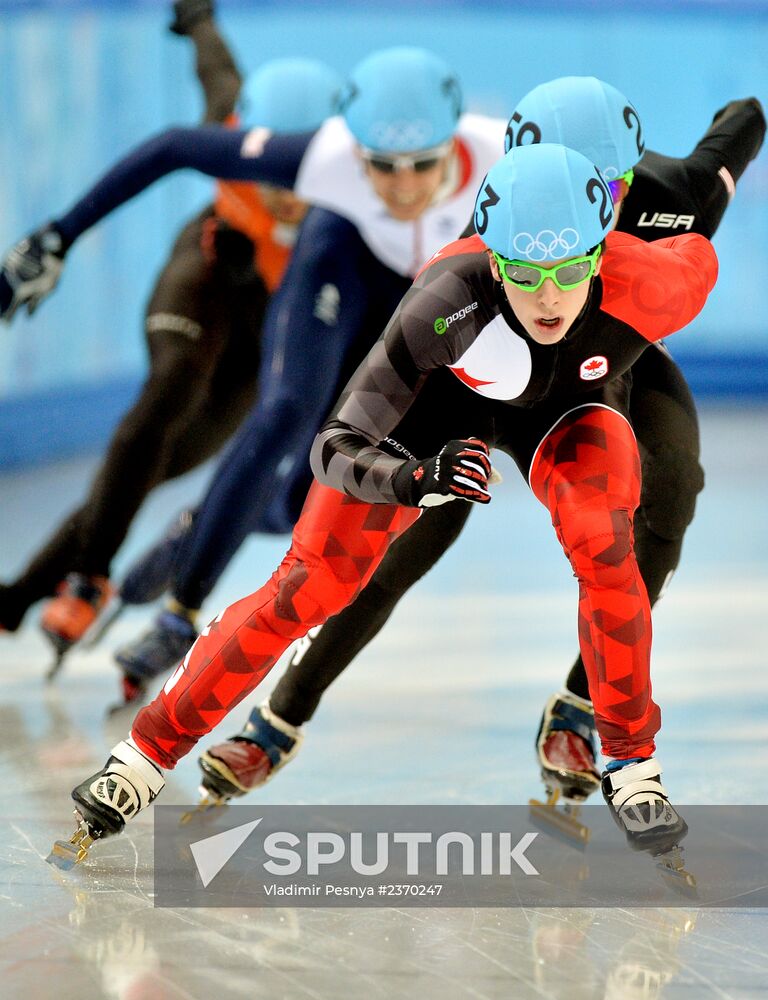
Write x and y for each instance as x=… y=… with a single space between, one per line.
x=270 y=733
x=569 y=718
x=650 y=768
x=637 y=782
x=140 y=765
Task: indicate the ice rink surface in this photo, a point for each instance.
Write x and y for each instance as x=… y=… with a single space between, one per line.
x=443 y=708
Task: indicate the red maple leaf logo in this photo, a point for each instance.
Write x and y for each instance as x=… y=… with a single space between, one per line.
x=419 y=473
x=593 y=365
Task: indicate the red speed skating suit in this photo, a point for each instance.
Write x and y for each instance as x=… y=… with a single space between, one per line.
x=455 y=362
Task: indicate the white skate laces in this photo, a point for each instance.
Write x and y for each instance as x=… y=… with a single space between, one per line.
x=130 y=783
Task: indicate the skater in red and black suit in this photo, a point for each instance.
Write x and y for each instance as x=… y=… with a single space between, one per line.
x=520 y=338
x=652 y=194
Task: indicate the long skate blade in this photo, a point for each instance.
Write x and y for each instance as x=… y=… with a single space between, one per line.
x=554 y=820
x=65 y=854
x=208 y=802
x=102 y=625
x=675 y=874
x=56 y=666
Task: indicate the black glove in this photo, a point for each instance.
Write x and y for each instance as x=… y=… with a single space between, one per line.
x=188 y=13
x=462 y=470
x=30 y=271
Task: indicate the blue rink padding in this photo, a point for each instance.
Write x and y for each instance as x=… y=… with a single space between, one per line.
x=46 y=426
x=690 y=6
x=69 y=371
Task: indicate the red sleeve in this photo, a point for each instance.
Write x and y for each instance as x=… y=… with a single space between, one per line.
x=658 y=287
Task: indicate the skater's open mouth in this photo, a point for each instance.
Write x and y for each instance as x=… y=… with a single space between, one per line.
x=551 y=323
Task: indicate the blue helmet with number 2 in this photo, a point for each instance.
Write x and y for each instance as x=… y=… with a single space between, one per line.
x=290 y=95
x=585 y=114
x=402 y=99
x=543 y=203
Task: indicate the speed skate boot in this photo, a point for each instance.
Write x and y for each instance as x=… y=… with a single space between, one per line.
x=68 y=616
x=150 y=576
x=249 y=759
x=566 y=747
x=106 y=801
x=641 y=808
x=156 y=652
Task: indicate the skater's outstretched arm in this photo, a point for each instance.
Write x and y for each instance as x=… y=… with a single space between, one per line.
x=31 y=269
x=215 y=65
x=692 y=193
x=722 y=155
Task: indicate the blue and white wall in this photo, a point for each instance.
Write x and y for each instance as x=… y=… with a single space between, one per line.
x=81 y=81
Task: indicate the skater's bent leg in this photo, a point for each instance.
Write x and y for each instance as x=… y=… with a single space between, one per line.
x=587 y=472
x=132 y=466
x=185 y=342
x=314 y=669
x=337 y=544
x=87 y=541
x=664 y=419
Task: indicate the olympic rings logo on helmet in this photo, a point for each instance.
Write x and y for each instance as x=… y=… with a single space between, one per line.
x=402 y=135
x=547 y=244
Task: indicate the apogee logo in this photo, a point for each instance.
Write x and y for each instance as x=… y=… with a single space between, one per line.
x=443 y=322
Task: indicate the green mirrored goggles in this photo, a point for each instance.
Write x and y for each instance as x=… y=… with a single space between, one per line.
x=619 y=187
x=530 y=277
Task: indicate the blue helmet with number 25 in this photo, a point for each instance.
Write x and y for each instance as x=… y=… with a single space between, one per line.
x=585 y=114
x=543 y=203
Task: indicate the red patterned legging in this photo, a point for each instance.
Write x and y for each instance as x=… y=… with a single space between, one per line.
x=587 y=473
x=337 y=544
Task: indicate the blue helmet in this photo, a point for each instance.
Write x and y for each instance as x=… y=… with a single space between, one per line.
x=585 y=114
x=543 y=203
x=400 y=100
x=290 y=95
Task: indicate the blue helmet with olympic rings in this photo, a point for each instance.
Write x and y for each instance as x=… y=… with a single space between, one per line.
x=543 y=203
x=402 y=99
x=585 y=114
x=290 y=95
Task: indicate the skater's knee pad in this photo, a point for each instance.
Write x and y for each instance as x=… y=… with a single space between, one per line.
x=598 y=543
x=672 y=479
